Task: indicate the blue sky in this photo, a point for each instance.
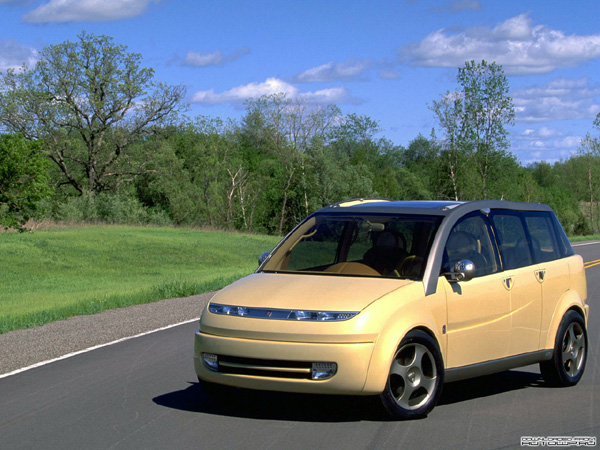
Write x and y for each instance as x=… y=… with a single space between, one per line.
x=387 y=60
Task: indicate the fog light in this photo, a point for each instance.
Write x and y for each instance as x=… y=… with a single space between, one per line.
x=211 y=361
x=323 y=370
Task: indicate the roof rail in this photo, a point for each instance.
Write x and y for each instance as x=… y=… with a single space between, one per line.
x=358 y=201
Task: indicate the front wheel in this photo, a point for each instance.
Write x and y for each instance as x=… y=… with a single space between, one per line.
x=570 y=352
x=415 y=378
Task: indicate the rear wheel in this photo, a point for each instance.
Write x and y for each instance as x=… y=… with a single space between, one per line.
x=570 y=352
x=415 y=378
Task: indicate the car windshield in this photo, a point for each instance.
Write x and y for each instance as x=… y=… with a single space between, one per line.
x=379 y=245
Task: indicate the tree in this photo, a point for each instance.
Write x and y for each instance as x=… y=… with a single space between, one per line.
x=23 y=181
x=420 y=150
x=488 y=108
x=589 y=151
x=88 y=101
x=354 y=136
x=449 y=111
x=474 y=120
x=286 y=128
x=333 y=177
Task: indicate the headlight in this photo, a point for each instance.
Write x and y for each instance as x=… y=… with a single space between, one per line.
x=281 y=314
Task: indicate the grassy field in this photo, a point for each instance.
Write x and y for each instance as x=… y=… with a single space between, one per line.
x=54 y=274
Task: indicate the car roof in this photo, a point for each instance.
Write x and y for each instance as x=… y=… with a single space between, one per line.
x=424 y=207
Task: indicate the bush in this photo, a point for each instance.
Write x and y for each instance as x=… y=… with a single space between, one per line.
x=110 y=208
x=77 y=209
x=107 y=208
x=158 y=216
x=121 y=209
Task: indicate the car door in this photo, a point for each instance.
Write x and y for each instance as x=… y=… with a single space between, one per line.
x=525 y=280
x=478 y=310
x=552 y=271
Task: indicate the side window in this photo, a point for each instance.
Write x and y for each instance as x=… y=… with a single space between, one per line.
x=471 y=239
x=512 y=239
x=541 y=231
x=564 y=246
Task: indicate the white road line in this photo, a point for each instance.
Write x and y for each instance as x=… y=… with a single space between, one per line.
x=69 y=355
x=585 y=243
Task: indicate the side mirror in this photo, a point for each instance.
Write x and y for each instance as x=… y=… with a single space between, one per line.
x=463 y=270
x=263 y=257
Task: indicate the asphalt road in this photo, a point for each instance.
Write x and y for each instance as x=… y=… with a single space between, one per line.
x=143 y=394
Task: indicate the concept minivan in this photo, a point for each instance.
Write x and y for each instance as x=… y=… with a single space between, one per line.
x=394 y=298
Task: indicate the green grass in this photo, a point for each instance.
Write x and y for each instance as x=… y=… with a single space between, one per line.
x=54 y=274
x=595 y=237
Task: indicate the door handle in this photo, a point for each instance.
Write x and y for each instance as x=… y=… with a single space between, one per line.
x=540 y=275
x=508 y=283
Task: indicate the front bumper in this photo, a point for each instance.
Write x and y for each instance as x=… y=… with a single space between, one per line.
x=352 y=359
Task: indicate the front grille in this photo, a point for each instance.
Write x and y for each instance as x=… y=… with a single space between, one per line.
x=299 y=370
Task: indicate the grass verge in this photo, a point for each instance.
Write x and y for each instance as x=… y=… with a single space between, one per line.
x=55 y=274
x=595 y=237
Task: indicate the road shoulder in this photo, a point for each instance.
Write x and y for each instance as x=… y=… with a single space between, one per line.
x=23 y=348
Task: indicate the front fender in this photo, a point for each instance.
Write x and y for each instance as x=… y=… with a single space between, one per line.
x=427 y=313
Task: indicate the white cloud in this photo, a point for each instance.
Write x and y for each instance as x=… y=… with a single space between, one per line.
x=332 y=71
x=216 y=58
x=238 y=94
x=560 y=99
x=327 y=96
x=13 y=55
x=389 y=73
x=86 y=10
x=198 y=59
x=519 y=46
x=544 y=144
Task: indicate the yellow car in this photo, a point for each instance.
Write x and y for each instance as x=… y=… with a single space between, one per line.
x=394 y=298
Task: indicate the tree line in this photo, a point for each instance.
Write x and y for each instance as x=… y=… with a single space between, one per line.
x=89 y=135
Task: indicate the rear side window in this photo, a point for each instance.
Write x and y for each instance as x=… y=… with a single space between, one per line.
x=529 y=237
x=543 y=239
x=512 y=239
x=564 y=246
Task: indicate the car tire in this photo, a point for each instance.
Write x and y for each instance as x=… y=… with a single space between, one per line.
x=570 y=352
x=415 y=378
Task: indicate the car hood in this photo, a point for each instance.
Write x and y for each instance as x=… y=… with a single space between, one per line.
x=307 y=292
